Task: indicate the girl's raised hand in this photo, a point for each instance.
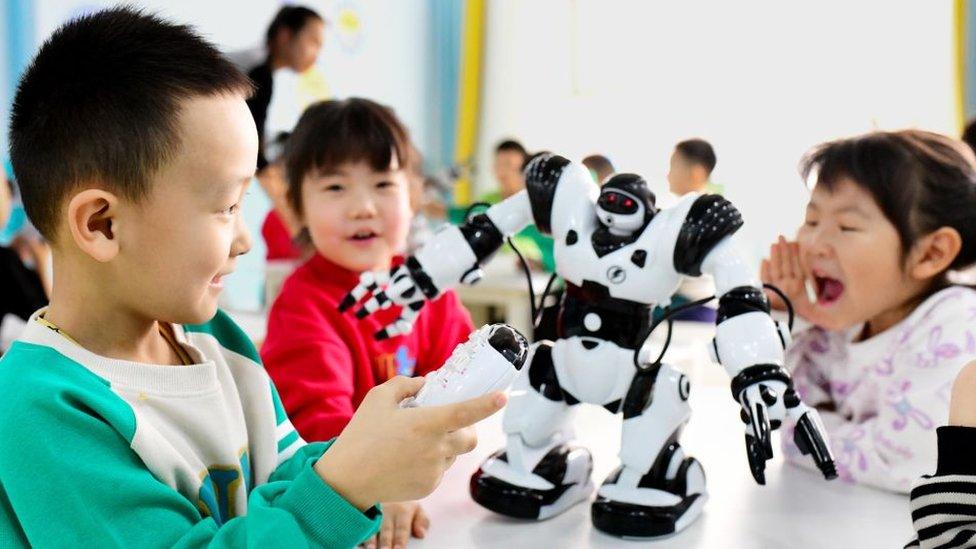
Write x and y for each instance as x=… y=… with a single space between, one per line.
x=783 y=269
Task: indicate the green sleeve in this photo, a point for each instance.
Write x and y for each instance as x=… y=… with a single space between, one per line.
x=293 y=466
x=68 y=477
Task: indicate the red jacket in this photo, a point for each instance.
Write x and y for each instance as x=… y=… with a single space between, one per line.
x=277 y=239
x=323 y=362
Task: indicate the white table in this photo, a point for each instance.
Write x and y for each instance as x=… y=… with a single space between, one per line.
x=796 y=509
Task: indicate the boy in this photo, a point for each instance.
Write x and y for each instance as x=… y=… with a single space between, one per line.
x=600 y=167
x=510 y=158
x=692 y=163
x=134 y=416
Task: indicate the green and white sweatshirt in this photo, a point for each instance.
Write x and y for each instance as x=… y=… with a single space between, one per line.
x=103 y=452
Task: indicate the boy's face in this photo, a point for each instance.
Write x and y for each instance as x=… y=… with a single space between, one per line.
x=177 y=244
x=682 y=178
x=508 y=171
x=357 y=217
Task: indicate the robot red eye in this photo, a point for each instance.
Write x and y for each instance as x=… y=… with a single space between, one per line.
x=611 y=198
x=628 y=203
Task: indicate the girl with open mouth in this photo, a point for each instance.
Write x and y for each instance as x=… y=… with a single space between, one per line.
x=890 y=216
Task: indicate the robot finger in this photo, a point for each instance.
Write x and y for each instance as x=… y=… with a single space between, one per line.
x=368 y=283
x=402 y=287
x=379 y=301
x=752 y=402
x=811 y=439
x=402 y=325
x=757 y=459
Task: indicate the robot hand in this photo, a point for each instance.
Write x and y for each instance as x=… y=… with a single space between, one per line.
x=767 y=397
x=381 y=291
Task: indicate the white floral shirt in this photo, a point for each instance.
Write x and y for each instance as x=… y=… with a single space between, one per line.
x=889 y=392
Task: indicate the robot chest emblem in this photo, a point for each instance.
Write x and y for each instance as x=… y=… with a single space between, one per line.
x=616 y=274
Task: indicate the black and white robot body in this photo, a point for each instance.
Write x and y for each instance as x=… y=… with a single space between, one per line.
x=619 y=256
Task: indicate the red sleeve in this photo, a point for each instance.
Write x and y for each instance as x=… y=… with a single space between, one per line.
x=310 y=365
x=448 y=325
x=276 y=238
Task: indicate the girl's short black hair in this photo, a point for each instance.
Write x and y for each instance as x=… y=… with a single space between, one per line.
x=332 y=133
x=920 y=180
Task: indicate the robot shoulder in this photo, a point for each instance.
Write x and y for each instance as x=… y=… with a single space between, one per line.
x=552 y=182
x=710 y=219
x=541 y=178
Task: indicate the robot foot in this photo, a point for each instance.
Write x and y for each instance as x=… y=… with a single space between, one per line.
x=559 y=481
x=655 y=507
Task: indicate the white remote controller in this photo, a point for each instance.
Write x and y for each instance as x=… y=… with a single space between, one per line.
x=488 y=361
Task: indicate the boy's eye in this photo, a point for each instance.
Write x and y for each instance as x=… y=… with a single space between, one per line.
x=384 y=184
x=846 y=229
x=810 y=223
x=333 y=188
x=233 y=209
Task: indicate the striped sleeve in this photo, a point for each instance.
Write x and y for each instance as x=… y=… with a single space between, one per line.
x=944 y=504
x=289 y=441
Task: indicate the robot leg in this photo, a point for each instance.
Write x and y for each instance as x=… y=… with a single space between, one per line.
x=657 y=491
x=538 y=474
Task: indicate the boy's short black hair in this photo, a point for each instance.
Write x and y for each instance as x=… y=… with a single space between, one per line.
x=332 y=133
x=512 y=146
x=99 y=103
x=293 y=18
x=698 y=152
x=599 y=163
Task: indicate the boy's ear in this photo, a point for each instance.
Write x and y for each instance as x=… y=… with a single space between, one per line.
x=91 y=221
x=934 y=252
x=699 y=173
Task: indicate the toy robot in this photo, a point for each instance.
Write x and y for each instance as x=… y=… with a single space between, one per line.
x=620 y=256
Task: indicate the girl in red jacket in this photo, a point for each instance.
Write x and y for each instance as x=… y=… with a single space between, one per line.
x=348 y=183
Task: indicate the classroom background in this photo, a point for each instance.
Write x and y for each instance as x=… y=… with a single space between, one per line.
x=761 y=81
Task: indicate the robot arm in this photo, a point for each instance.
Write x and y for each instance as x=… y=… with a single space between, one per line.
x=748 y=343
x=454 y=254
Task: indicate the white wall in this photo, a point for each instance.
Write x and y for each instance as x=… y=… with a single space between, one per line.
x=388 y=60
x=762 y=81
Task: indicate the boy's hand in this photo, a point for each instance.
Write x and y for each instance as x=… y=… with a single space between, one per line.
x=962 y=406
x=388 y=453
x=400 y=520
x=782 y=269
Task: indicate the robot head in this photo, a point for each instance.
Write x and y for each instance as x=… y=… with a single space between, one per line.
x=625 y=205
